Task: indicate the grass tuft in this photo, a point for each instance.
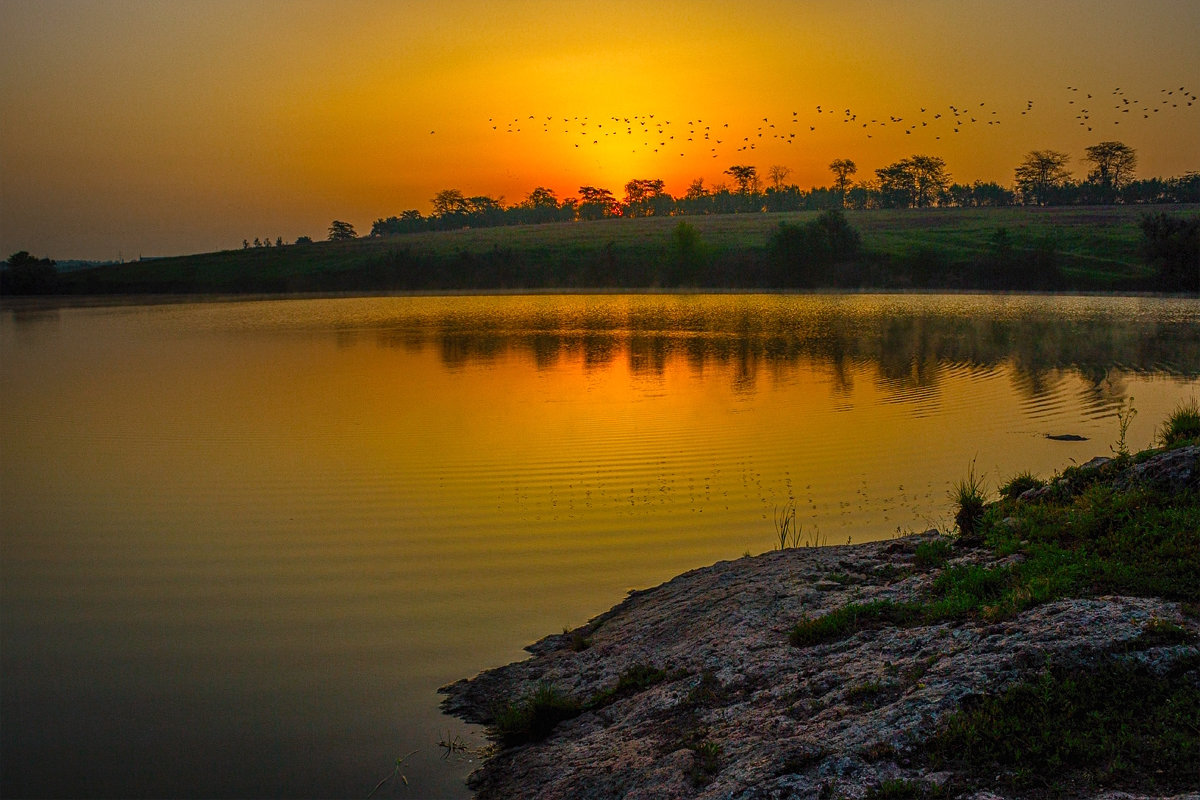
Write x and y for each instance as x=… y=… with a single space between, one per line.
x=706 y=762
x=533 y=717
x=969 y=501
x=1019 y=484
x=932 y=554
x=1182 y=426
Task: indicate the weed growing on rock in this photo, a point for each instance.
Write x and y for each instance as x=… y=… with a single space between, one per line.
x=931 y=554
x=637 y=678
x=1019 y=484
x=1124 y=417
x=532 y=718
x=706 y=762
x=969 y=501
x=850 y=619
x=1182 y=426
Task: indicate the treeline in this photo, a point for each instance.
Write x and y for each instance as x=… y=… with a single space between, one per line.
x=920 y=181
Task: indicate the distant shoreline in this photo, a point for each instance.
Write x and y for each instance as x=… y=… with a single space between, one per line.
x=1024 y=249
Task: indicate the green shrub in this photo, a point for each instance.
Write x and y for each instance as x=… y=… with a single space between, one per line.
x=1019 y=484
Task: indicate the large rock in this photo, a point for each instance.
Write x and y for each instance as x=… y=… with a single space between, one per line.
x=788 y=721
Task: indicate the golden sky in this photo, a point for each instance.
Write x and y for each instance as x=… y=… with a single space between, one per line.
x=134 y=128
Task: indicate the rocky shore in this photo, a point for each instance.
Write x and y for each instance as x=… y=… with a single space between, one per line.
x=722 y=705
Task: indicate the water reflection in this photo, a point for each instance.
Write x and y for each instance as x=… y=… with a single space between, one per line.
x=910 y=348
x=245 y=542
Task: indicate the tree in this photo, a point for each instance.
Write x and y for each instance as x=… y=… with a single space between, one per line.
x=639 y=196
x=341 y=231
x=595 y=203
x=842 y=169
x=1114 y=164
x=304 y=240
x=778 y=174
x=1040 y=174
x=696 y=190
x=915 y=181
x=541 y=197
x=745 y=177
x=450 y=203
x=24 y=274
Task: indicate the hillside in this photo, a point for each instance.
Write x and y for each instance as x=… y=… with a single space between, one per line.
x=1090 y=249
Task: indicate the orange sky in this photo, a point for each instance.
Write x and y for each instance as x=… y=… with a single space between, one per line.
x=154 y=128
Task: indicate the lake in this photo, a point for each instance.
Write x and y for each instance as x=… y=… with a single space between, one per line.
x=245 y=542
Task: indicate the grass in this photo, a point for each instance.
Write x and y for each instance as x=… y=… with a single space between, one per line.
x=1182 y=426
x=635 y=679
x=930 y=555
x=706 y=762
x=1096 y=248
x=533 y=717
x=969 y=501
x=1075 y=729
x=1019 y=484
x=1086 y=538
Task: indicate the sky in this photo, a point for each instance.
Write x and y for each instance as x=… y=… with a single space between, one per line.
x=134 y=128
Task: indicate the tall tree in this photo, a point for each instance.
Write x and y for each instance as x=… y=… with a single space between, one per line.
x=595 y=203
x=1040 y=174
x=778 y=174
x=639 y=194
x=340 y=231
x=842 y=169
x=746 y=177
x=450 y=202
x=696 y=190
x=1113 y=162
x=915 y=181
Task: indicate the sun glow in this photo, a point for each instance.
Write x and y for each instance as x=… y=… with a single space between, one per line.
x=166 y=128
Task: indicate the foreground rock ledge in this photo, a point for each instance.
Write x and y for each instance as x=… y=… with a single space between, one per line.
x=791 y=722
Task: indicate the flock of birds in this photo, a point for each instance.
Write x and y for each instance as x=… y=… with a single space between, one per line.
x=646 y=133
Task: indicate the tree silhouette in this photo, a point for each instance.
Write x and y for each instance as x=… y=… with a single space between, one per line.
x=595 y=203
x=778 y=174
x=640 y=194
x=1040 y=174
x=745 y=177
x=915 y=181
x=25 y=274
x=449 y=203
x=842 y=169
x=341 y=231
x=1114 y=164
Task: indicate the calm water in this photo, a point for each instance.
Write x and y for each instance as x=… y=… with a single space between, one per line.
x=243 y=543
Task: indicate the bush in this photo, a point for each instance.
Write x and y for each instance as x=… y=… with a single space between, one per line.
x=1172 y=246
x=801 y=251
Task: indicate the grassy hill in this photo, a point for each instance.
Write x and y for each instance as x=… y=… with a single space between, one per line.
x=1094 y=248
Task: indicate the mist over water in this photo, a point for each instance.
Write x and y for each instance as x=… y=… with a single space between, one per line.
x=243 y=543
